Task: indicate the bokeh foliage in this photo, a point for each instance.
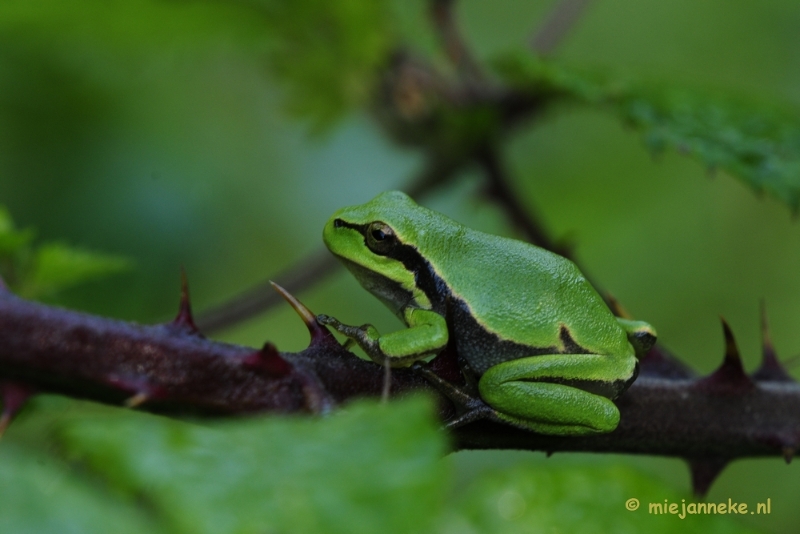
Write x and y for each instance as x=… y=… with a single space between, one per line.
x=761 y=146
x=175 y=132
x=367 y=468
x=39 y=272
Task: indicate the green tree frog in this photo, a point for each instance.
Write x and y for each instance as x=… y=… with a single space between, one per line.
x=547 y=353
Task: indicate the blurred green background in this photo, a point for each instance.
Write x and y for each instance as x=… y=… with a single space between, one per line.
x=155 y=130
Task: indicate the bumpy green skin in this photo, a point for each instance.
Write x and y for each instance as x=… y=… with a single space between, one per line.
x=549 y=353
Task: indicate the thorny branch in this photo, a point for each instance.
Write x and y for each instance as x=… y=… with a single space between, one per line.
x=173 y=369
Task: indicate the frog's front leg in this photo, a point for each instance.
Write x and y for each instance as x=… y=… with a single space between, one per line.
x=425 y=336
x=559 y=394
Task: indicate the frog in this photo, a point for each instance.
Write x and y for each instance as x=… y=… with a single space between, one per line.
x=539 y=347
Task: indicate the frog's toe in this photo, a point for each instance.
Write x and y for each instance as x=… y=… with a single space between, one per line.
x=325 y=319
x=641 y=335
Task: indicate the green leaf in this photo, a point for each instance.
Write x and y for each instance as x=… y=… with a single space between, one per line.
x=758 y=144
x=583 y=498
x=12 y=240
x=57 y=266
x=38 y=496
x=327 y=54
x=368 y=468
x=38 y=272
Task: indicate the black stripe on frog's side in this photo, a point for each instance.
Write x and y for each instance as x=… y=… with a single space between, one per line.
x=481 y=348
x=610 y=390
x=484 y=349
x=570 y=345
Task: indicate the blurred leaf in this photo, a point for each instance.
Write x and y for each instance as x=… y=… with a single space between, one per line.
x=327 y=54
x=757 y=144
x=57 y=266
x=11 y=240
x=37 y=497
x=36 y=272
x=526 y=72
x=588 y=499
x=140 y=27
x=369 y=468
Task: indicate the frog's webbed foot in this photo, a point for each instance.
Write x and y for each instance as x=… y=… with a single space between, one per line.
x=467 y=401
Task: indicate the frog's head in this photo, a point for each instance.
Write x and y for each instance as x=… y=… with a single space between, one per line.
x=377 y=242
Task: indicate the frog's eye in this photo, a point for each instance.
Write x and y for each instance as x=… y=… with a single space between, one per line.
x=380 y=238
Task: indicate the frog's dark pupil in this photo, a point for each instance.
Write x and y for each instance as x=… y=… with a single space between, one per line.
x=378 y=235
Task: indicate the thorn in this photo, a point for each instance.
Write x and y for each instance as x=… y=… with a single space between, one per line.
x=268 y=360
x=184 y=320
x=548 y=454
x=616 y=308
x=730 y=376
x=305 y=314
x=5 y=421
x=14 y=396
x=771 y=369
x=140 y=388
x=704 y=472
x=317 y=331
x=318 y=400
x=788 y=454
x=137 y=400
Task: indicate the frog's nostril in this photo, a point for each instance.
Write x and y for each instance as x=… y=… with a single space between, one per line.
x=337 y=223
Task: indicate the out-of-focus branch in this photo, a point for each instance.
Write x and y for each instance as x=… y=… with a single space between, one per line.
x=262 y=297
x=523 y=217
x=311 y=270
x=557 y=25
x=444 y=20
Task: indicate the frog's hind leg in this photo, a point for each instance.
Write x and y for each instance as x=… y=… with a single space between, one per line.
x=468 y=404
x=557 y=394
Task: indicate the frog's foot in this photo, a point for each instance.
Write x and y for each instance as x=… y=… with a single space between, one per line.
x=470 y=376
x=469 y=407
x=365 y=336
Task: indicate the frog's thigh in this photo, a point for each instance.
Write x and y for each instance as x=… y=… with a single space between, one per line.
x=515 y=390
